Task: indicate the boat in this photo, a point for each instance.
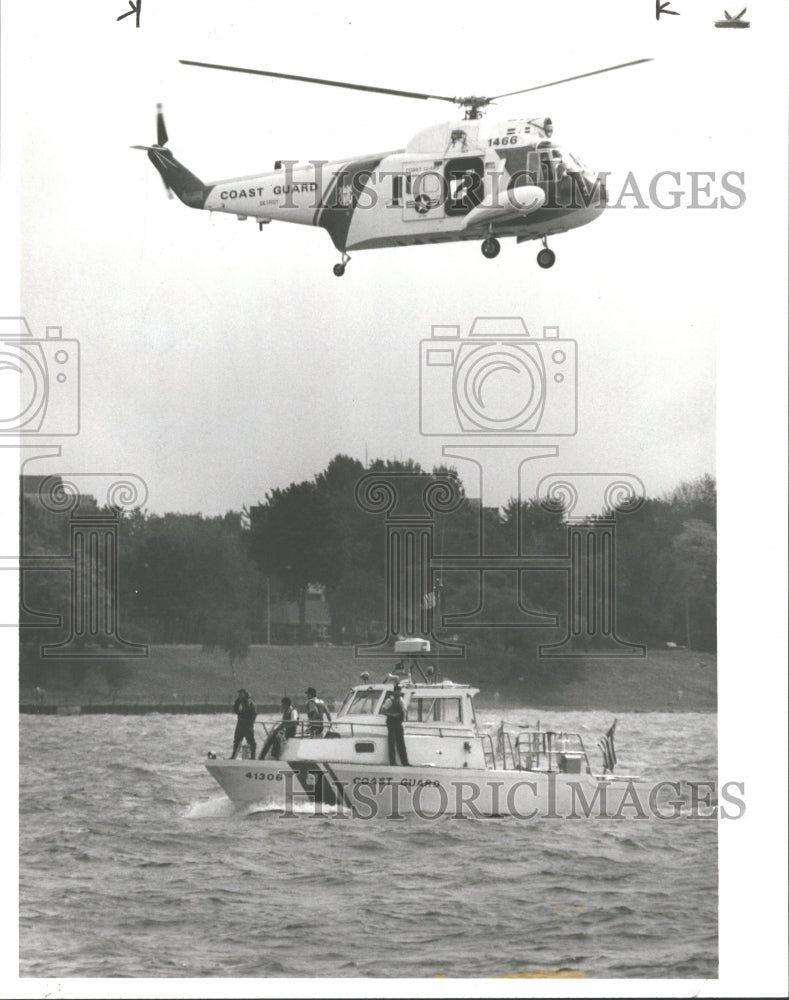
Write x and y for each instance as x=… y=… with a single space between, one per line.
x=455 y=767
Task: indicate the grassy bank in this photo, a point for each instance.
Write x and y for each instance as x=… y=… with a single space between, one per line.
x=664 y=680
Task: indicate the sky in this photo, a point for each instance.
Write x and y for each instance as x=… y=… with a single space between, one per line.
x=218 y=362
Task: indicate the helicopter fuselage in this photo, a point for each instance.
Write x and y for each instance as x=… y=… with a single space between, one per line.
x=463 y=180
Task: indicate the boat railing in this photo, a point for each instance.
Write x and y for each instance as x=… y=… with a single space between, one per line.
x=546 y=750
x=305 y=729
x=420 y=729
x=506 y=750
x=489 y=750
x=301 y=729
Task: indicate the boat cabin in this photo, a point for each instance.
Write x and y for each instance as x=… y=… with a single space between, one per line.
x=440 y=728
x=446 y=703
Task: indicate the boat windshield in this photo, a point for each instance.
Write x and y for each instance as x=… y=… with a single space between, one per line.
x=363 y=703
x=432 y=709
x=346 y=702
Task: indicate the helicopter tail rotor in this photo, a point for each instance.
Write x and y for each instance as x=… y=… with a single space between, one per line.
x=161 y=141
x=161 y=129
x=176 y=178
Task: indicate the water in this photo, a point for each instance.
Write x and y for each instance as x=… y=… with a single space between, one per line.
x=133 y=863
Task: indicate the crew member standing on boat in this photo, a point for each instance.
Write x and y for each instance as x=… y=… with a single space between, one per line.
x=246 y=713
x=395 y=716
x=316 y=710
x=282 y=732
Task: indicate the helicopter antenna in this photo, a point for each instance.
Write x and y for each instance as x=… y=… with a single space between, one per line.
x=473 y=106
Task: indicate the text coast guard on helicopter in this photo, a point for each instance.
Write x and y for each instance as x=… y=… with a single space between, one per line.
x=459 y=180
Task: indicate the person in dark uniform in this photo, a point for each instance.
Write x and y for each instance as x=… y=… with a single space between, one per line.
x=246 y=713
x=316 y=710
x=394 y=711
x=282 y=732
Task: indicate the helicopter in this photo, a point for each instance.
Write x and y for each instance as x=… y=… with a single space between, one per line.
x=459 y=180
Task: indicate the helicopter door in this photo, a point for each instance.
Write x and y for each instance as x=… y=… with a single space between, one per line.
x=465 y=184
x=424 y=191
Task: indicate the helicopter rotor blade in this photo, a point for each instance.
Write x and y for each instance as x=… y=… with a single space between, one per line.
x=567 y=79
x=326 y=83
x=161 y=128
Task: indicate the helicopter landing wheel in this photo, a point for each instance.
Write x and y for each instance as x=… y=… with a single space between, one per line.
x=491 y=247
x=546 y=258
x=339 y=269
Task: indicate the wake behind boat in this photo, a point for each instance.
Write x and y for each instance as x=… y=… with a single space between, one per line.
x=454 y=767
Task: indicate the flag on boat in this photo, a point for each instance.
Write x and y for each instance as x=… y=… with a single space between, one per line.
x=430 y=600
x=606 y=744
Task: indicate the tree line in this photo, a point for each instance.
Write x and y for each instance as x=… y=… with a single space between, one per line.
x=210 y=580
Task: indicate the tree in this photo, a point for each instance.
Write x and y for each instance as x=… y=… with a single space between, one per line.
x=696 y=499
x=284 y=538
x=666 y=566
x=186 y=577
x=694 y=582
x=345 y=534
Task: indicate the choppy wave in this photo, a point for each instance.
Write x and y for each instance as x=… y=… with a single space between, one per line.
x=132 y=863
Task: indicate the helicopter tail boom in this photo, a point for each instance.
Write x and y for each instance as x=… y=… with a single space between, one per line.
x=182 y=182
x=188 y=188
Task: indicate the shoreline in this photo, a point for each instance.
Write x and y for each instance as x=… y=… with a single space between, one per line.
x=182 y=679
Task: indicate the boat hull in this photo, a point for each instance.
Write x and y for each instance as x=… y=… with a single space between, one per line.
x=382 y=791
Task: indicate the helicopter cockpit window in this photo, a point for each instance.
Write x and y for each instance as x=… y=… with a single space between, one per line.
x=546 y=174
x=563 y=161
x=574 y=165
x=553 y=164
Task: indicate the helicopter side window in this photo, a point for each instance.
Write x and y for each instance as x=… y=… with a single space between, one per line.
x=397 y=188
